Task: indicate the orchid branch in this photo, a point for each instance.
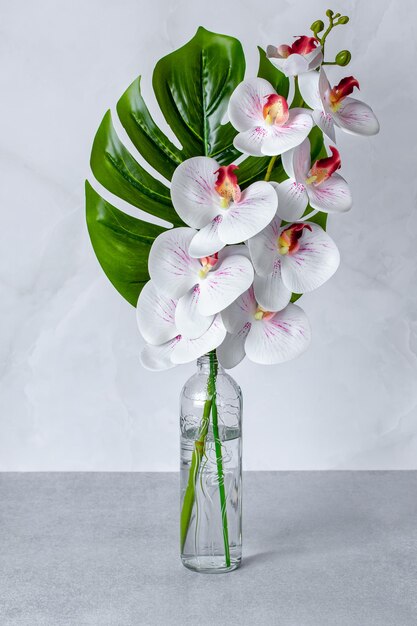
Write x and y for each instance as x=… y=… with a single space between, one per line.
x=335 y=19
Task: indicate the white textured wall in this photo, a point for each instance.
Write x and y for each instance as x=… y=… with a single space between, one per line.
x=73 y=395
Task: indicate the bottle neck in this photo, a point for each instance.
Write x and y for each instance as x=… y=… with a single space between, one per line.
x=206 y=361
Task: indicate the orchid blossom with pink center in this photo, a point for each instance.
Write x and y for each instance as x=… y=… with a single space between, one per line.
x=295 y=258
x=265 y=123
x=333 y=106
x=318 y=185
x=167 y=346
x=264 y=336
x=207 y=196
x=203 y=287
x=304 y=55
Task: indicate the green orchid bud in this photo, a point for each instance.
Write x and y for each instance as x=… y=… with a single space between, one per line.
x=317 y=26
x=329 y=13
x=343 y=20
x=343 y=58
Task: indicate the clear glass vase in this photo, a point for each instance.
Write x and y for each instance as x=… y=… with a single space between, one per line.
x=211 y=469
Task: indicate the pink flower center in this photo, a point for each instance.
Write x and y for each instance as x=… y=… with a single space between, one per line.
x=302 y=45
x=324 y=168
x=226 y=185
x=261 y=314
x=289 y=239
x=207 y=263
x=275 y=110
x=340 y=91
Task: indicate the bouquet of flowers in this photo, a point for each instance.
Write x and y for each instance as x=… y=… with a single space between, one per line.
x=248 y=200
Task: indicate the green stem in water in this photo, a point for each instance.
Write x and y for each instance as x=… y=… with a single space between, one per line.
x=219 y=460
x=198 y=452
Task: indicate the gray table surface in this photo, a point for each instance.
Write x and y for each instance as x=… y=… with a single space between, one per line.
x=320 y=548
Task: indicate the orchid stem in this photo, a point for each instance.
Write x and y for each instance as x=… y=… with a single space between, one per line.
x=219 y=460
x=270 y=168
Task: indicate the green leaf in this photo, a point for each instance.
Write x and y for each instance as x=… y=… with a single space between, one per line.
x=267 y=70
x=121 y=244
x=192 y=86
x=145 y=135
x=115 y=168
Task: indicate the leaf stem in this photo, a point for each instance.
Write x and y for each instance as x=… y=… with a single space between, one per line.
x=198 y=452
x=219 y=460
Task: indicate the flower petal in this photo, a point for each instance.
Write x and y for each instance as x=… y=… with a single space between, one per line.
x=232 y=250
x=325 y=122
x=302 y=160
x=158 y=358
x=281 y=338
x=246 y=103
x=270 y=291
x=171 y=267
x=246 y=218
x=155 y=315
x=232 y=350
x=315 y=261
x=240 y=311
x=291 y=134
x=263 y=247
x=292 y=65
x=251 y=141
x=207 y=240
x=188 y=320
x=188 y=350
x=292 y=199
x=324 y=89
x=287 y=163
x=356 y=117
x=331 y=196
x=314 y=58
x=193 y=194
x=308 y=84
x=224 y=284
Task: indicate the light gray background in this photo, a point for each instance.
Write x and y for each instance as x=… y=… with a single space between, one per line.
x=73 y=395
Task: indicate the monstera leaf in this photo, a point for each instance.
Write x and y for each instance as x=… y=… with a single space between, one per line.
x=192 y=86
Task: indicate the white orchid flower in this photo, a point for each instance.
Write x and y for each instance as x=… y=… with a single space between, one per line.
x=265 y=123
x=295 y=258
x=332 y=105
x=166 y=345
x=265 y=337
x=318 y=185
x=304 y=55
x=202 y=286
x=207 y=196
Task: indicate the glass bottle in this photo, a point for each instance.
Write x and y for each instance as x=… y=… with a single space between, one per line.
x=211 y=469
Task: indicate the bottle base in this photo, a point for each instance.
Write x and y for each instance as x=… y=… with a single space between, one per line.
x=210 y=564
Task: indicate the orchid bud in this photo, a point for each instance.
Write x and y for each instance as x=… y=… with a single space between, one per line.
x=317 y=26
x=343 y=58
x=329 y=13
x=343 y=20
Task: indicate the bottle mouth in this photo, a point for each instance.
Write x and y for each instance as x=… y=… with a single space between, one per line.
x=207 y=359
